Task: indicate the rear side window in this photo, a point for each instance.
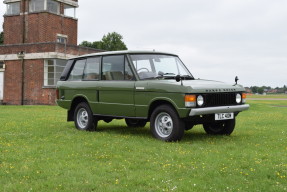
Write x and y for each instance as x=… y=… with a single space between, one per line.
x=92 y=69
x=113 y=67
x=77 y=71
x=66 y=71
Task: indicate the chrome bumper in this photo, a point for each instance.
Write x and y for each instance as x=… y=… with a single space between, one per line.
x=222 y=109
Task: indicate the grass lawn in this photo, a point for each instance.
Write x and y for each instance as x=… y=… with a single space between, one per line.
x=268 y=96
x=40 y=151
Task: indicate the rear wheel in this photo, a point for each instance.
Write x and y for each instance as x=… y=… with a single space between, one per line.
x=166 y=125
x=225 y=127
x=135 y=122
x=83 y=118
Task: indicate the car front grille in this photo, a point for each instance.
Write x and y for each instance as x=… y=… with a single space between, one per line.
x=219 y=99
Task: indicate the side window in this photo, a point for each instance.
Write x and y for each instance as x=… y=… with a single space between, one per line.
x=128 y=72
x=77 y=72
x=92 y=69
x=113 y=67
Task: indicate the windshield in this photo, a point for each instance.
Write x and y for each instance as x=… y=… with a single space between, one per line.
x=149 y=66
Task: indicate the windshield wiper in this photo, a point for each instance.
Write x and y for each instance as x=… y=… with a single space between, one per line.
x=165 y=75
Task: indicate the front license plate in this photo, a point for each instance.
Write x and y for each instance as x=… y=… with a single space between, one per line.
x=223 y=116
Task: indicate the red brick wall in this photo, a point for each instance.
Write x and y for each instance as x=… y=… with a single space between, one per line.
x=34 y=93
x=44 y=27
x=34 y=81
x=40 y=27
x=46 y=47
x=13 y=29
x=12 y=83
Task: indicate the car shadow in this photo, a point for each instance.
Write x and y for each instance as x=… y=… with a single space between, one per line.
x=193 y=135
x=124 y=130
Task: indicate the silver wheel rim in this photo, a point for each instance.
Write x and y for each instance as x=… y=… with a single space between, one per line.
x=163 y=124
x=82 y=118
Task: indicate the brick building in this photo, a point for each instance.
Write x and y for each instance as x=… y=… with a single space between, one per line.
x=39 y=36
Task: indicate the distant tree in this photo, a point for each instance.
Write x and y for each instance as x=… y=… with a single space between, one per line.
x=254 y=89
x=95 y=44
x=2 y=37
x=110 y=42
x=260 y=90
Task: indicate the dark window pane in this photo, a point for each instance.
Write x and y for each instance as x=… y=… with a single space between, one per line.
x=92 y=69
x=77 y=72
x=113 y=67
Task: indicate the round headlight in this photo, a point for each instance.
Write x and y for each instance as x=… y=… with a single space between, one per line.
x=200 y=100
x=238 y=98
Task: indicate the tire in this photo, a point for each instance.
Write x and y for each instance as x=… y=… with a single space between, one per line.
x=135 y=122
x=83 y=118
x=225 y=127
x=166 y=125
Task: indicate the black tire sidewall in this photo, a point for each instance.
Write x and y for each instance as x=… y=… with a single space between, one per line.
x=227 y=129
x=92 y=123
x=178 y=124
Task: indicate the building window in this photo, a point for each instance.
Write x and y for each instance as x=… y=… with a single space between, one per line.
x=62 y=38
x=13 y=8
x=2 y=66
x=36 y=5
x=51 y=6
x=53 y=69
x=69 y=11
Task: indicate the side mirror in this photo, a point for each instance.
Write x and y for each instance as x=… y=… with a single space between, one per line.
x=177 y=78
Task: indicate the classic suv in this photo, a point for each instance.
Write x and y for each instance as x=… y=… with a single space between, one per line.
x=146 y=86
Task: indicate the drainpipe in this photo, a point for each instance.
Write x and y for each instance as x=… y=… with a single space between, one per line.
x=21 y=56
x=24 y=21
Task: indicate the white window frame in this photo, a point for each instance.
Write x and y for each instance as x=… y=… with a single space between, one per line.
x=74 y=11
x=56 y=73
x=63 y=37
x=13 y=3
x=45 y=7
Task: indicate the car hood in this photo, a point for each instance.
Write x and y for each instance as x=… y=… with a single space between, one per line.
x=192 y=86
x=210 y=86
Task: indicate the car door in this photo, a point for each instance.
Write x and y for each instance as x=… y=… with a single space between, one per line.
x=116 y=88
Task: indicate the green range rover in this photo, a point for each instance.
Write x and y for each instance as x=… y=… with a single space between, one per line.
x=146 y=86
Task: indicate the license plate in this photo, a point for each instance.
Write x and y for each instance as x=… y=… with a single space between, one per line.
x=223 y=116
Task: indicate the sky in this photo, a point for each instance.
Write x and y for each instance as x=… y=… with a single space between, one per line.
x=216 y=39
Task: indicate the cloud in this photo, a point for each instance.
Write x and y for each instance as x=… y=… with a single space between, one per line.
x=217 y=39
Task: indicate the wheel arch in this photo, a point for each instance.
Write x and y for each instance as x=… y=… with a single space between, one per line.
x=75 y=102
x=154 y=104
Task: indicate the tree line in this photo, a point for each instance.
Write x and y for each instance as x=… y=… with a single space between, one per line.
x=110 y=42
x=268 y=89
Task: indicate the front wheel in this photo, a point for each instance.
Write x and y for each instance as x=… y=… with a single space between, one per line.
x=83 y=118
x=225 y=127
x=165 y=124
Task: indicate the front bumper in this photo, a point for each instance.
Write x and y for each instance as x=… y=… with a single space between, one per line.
x=221 y=109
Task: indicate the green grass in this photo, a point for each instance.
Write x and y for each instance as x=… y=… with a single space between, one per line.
x=268 y=96
x=40 y=151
